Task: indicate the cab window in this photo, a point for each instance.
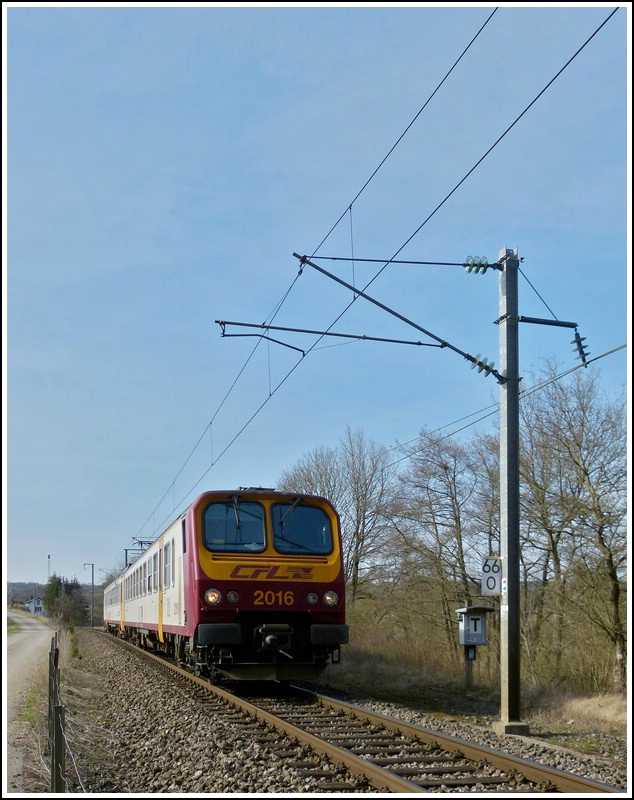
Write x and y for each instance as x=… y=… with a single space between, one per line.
x=299 y=528
x=234 y=526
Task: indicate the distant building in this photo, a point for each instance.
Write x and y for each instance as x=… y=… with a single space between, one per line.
x=35 y=606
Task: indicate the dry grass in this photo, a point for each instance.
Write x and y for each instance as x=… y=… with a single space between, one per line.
x=604 y=712
x=362 y=675
x=76 y=691
x=418 y=687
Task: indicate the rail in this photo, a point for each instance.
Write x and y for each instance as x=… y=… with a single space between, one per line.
x=367 y=754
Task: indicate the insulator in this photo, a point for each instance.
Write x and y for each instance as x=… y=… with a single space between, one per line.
x=483 y=365
x=582 y=353
x=477 y=264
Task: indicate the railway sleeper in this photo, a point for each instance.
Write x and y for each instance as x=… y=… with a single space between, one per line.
x=336 y=786
x=433 y=770
x=472 y=781
x=389 y=762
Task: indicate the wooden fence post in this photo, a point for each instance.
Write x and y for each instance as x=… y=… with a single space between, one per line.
x=58 y=752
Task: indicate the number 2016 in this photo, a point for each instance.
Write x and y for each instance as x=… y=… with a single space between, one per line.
x=261 y=598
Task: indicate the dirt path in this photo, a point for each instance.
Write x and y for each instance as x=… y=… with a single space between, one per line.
x=27 y=650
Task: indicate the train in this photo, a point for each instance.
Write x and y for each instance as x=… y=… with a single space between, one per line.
x=245 y=584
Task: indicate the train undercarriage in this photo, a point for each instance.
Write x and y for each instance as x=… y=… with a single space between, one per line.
x=250 y=649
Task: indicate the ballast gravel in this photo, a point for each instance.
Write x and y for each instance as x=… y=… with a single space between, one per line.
x=611 y=770
x=132 y=730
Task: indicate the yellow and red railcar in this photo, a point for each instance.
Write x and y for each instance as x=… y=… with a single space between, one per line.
x=245 y=584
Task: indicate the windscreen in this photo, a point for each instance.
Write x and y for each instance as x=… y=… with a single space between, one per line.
x=299 y=528
x=234 y=526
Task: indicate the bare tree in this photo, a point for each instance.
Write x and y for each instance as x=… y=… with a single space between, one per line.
x=436 y=522
x=414 y=541
x=358 y=479
x=574 y=481
x=484 y=506
x=440 y=481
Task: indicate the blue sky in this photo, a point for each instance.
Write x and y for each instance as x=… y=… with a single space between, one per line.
x=164 y=163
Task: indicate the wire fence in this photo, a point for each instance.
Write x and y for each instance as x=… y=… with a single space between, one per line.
x=58 y=744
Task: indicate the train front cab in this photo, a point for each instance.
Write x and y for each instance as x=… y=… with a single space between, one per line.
x=270 y=585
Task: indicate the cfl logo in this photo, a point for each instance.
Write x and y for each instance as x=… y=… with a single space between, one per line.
x=252 y=572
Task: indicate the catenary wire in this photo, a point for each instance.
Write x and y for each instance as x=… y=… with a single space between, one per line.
x=288 y=291
x=495 y=406
x=494 y=410
x=470 y=172
x=491 y=148
x=400 y=249
x=418 y=229
x=398 y=141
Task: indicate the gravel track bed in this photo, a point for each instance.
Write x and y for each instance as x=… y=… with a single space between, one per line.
x=131 y=730
x=611 y=768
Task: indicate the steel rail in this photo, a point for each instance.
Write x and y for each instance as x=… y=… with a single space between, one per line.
x=355 y=765
x=531 y=770
x=379 y=777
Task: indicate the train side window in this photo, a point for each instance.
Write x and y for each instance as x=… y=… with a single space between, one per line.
x=155 y=572
x=149 y=576
x=234 y=526
x=173 y=565
x=184 y=537
x=166 y=566
x=301 y=528
x=144 y=578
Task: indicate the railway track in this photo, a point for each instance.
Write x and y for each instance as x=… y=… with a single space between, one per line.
x=378 y=752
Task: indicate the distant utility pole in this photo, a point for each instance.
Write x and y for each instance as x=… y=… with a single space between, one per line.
x=509 y=498
x=92 y=590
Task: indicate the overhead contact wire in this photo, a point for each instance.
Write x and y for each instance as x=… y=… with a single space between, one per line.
x=288 y=291
x=474 y=167
x=398 y=141
x=417 y=230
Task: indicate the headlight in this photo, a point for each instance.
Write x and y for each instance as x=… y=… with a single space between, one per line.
x=312 y=598
x=330 y=598
x=233 y=597
x=212 y=597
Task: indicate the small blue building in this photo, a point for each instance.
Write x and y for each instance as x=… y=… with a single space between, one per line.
x=35 y=606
